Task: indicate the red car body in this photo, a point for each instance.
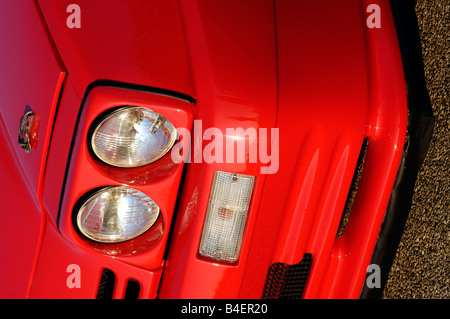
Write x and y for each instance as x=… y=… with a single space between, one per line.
x=318 y=71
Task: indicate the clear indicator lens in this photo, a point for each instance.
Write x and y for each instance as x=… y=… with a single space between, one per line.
x=115 y=214
x=133 y=137
x=226 y=216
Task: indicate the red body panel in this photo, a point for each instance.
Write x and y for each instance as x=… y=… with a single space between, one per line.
x=234 y=89
x=139 y=42
x=314 y=71
x=52 y=272
x=22 y=215
x=327 y=105
x=31 y=77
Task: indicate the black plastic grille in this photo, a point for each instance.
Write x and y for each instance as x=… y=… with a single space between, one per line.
x=285 y=281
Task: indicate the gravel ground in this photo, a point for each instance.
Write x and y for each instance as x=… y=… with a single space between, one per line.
x=421 y=268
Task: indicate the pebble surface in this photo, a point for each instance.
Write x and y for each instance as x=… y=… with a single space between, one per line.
x=421 y=268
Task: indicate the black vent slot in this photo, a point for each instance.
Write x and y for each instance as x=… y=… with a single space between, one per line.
x=353 y=189
x=133 y=289
x=285 y=281
x=106 y=285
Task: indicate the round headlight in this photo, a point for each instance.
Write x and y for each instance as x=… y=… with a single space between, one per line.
x=132 y=137
x=115 y=214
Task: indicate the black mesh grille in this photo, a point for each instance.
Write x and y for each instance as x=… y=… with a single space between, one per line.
x=285 y=281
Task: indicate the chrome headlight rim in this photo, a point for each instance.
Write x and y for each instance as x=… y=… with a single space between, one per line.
x=90 y=195
x=114 y=111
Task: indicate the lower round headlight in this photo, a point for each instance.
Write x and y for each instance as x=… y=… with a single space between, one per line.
x=115 y=214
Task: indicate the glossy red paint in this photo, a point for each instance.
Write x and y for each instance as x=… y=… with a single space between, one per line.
x=351 y=253
x=31 y=78
x=52 y=273
x=22 y=216
x=370 y=102
x=313 y=70
x=338 y=83
x=58 y=155
x=139 y=42
x=234 y=88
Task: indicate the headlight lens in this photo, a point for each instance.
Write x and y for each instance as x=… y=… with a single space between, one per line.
x=115 y=214
x=133 y=137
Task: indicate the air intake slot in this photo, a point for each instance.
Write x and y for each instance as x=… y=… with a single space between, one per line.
x=353 y=189
x=132 y=290
x=285 y=281
x=106 y=285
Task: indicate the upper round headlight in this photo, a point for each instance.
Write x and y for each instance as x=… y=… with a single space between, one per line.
x=132 y=137
x=115 y=214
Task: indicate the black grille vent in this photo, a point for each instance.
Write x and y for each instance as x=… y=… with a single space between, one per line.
x=132 y=290
x=353 y=189
x=106 y=285
x=285 y=281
